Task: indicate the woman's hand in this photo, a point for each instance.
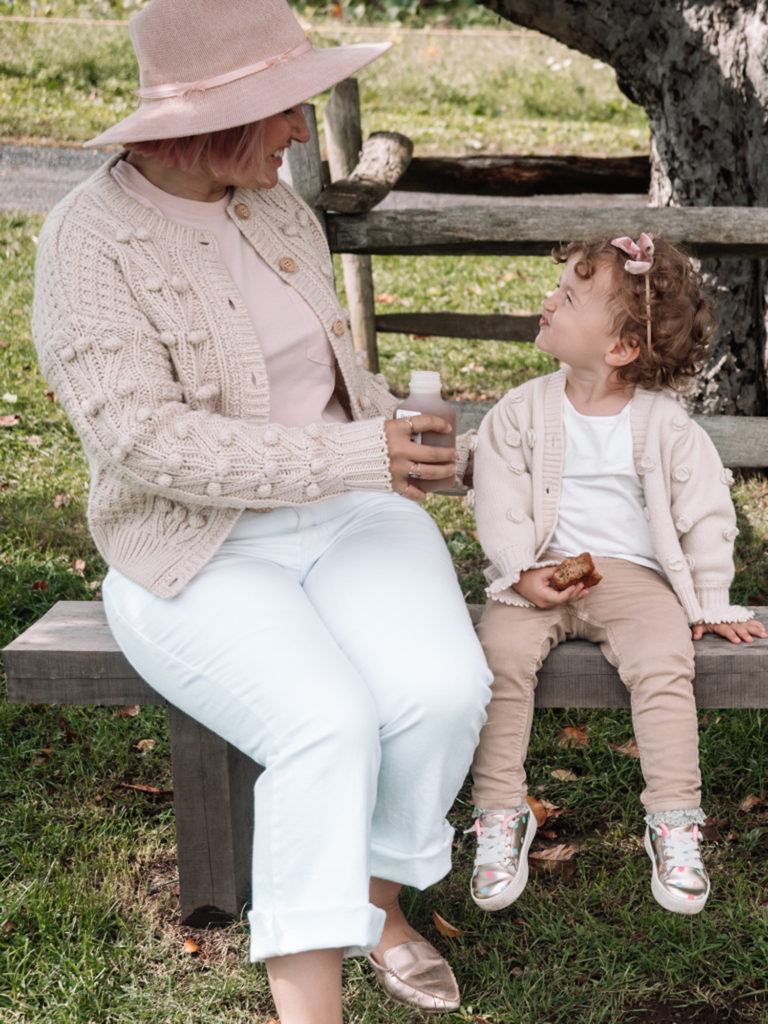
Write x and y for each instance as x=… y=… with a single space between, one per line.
x=410 y=462
x=535 y=585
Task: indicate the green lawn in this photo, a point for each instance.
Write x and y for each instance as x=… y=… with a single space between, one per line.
x=89 y=929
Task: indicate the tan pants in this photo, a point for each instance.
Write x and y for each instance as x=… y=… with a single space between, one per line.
x=642 y=630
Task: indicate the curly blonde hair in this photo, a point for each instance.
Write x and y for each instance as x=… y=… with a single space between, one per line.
x=682 y=322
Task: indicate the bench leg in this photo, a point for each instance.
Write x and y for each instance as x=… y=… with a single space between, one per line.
x=213 y=802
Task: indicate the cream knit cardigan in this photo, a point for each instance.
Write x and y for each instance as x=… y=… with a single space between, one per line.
x=517 y=482
x=150 y=349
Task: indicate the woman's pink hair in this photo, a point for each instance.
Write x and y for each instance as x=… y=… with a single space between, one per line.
x=223 y=152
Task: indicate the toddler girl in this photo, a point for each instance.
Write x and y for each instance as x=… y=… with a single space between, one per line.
x=601 y=457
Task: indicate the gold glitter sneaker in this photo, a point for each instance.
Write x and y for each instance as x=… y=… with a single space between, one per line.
x=501 y=860
x=679 y=880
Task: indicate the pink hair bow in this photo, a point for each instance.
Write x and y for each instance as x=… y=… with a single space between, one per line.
x=641 y=253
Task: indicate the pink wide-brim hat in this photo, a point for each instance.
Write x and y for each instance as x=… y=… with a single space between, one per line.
x=206 y=65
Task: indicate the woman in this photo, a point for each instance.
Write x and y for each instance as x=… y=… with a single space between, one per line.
x=271 y=572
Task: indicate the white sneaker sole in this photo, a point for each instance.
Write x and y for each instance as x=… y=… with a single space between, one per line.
x=675 y=904
x=515 y=888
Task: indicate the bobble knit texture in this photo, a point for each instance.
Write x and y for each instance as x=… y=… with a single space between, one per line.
x=518 y=476
x=148 y=345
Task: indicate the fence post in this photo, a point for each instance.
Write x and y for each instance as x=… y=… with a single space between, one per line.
x=343 y=136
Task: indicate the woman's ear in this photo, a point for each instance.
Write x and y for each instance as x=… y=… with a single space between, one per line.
x=621 y=353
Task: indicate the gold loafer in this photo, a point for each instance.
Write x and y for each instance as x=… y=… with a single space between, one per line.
x=415 y=974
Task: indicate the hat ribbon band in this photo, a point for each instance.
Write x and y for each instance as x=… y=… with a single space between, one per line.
x=174 y=89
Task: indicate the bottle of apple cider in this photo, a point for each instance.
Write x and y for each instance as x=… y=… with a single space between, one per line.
x=424 y=397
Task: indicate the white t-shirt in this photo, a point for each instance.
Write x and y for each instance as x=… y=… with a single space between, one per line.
x=601 y=506
x=300 y=363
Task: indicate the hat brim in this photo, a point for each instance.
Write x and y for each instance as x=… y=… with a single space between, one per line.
x=243 y=101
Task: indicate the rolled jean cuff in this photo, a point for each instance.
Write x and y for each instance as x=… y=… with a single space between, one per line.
x=418 y=870
x=279 y=933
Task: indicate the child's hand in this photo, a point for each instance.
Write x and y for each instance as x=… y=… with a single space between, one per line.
x=535 y=586
x=733 y=631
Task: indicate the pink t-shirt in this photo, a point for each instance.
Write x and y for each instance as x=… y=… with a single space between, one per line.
x=301 y=367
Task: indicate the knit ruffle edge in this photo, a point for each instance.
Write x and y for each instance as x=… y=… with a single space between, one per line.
x=724 y=613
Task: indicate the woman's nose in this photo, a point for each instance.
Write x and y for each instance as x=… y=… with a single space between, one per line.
x=299 y=130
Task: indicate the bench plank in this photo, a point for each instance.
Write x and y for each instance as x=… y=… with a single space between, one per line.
x=574 y=675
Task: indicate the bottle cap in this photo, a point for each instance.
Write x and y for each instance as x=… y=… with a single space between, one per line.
x=425 y=380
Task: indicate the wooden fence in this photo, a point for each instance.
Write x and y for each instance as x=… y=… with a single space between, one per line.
x=495 y=228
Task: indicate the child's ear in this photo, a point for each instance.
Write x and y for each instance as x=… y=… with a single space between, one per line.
x=621 y=353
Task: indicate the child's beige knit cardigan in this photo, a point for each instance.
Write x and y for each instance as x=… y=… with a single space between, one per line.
x=150 y=349
x=518 y=474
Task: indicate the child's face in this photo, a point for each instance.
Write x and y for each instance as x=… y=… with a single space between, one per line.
x=576 y=326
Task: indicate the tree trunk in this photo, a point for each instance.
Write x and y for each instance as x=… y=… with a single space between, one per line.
x=700 y=70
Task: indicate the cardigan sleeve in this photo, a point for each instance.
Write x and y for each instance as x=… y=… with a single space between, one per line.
x=117 y=377
x=705 y=519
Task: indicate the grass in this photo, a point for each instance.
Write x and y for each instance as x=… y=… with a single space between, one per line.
x=89 y=929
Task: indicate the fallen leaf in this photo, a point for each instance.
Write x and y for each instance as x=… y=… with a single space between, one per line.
x=431 y=51
x=573 y=736
x=563 y=851
x=564 y=775
x=61 y=499
x=143 y=788
x=385 y=299
x=39 y=585
x=145 y=745
x=50 y=395
x=539 y=810
x=191 y=947
x=9 y=421
x=629 y=749
x=750 y=802
x=553 y=811
x=445 y=927
x=712 y=829
x=129 y=711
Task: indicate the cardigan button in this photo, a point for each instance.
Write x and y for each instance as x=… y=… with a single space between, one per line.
x=243 y=211
x=338 y=328
x=287 y=265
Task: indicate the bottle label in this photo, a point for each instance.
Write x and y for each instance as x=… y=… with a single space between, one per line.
x=406 y=414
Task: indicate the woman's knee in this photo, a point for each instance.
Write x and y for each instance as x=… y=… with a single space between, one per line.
x=453 y=693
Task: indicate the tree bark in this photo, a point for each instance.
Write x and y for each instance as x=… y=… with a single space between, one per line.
x=700 y=70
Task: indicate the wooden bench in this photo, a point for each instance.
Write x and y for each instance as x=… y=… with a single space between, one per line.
x=70 y=657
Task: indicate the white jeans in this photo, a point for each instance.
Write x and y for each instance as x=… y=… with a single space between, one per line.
x=332 y=645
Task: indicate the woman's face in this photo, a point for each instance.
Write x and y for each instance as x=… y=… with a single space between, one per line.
x=280 y=130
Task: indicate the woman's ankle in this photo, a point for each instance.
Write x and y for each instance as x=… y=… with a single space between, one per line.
x=385 y=895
